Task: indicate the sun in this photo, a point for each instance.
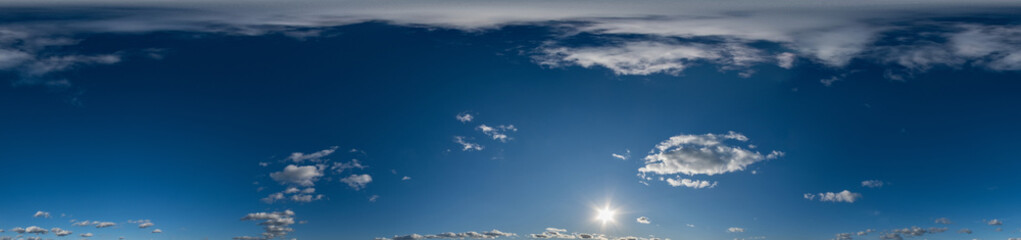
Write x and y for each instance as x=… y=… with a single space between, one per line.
x=605 y=215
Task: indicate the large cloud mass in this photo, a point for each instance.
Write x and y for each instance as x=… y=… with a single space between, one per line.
x=707 y=154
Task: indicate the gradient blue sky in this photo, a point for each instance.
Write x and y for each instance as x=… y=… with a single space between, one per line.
x=191 y=116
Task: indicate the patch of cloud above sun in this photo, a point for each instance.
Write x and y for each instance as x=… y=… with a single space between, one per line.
x=706 y=154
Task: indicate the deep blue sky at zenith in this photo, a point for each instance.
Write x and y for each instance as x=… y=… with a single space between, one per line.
x=120 y=114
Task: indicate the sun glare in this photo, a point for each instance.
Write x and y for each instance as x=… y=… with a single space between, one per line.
x=605 y=215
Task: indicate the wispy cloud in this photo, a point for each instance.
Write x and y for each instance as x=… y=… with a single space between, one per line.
x=842 y=196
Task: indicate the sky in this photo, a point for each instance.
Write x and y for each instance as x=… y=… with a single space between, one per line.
x=403 y=120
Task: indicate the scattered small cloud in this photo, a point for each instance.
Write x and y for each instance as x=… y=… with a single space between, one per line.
x=451 y=235
x=157 y=230
x=625 y=156
x=464 y=117
x=994 y=222
x=643 y=220
x=843 y=196
x=357 y=181
x=872 y=183
x=943 y=220
x=696 y=184
x=467 y=146
x=498 y=133
x=274 y=224
x=735 y=229
x=41 y=214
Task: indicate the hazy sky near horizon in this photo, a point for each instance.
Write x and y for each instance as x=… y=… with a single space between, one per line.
x=739 y=120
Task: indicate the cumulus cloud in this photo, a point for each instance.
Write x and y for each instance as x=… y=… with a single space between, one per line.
x=943 y=220
x=357 y=181
x=872 y=183
x=994 y=222
x=696 y=184
x=498 y=133
x=843 y=196
x=30 y=230
x=451 y=235
x=85 y=235
x=157 y=230
x=299 y=175
x=60 y=232
x=41 y=214
x=708 y=154
x=464 y=117
x=274 y=224
x=735 y=229
x=299 y=157
x=104 y=224
x=142 y=223
x=702 y=154
x=467 y=146
x=643 y=220
x=964 y=230
x=559 y=233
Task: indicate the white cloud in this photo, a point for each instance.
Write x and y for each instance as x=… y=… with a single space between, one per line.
x=60 y=232
x=340 y=167
x=373 y=198
x=467 y=146
x=872 y=183
x=696 y=184
x=843 y=196
x=735 y=229
x=708 y=154
x=41 y=214
x=306 y=197
x=964 y=230
x=157 y=230
x=651 y=57
x=451 y=235
x=85 y=235
x=464 y=117
x=104 y=224
x=357 y=181
x=832 y=34
x=145 y=224
x=498 y=133
x=643 y=220
x=558 y=233
x=785 y=60
x=303 y=175
x=30 y=230
x=830 y=80
x=299 y=157
x=625 y=156
x=405 y=178
x=943 y=220
x=274 y=224
x=994 y=222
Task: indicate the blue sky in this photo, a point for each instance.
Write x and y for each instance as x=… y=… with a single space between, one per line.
x=477 y=120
